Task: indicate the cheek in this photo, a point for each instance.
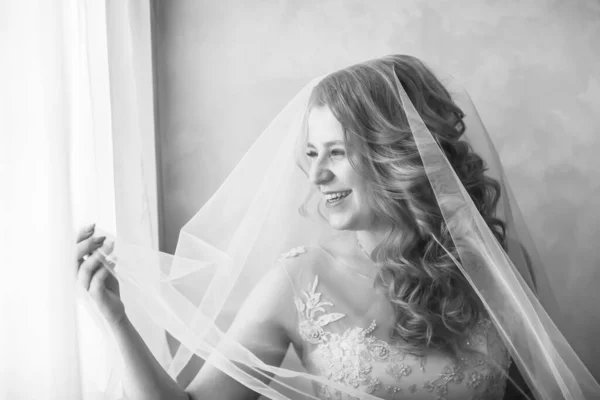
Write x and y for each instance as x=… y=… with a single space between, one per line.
x=351 y=177
x=358 y=184
x=362 y=198
x=364 y=202
x=353 y=180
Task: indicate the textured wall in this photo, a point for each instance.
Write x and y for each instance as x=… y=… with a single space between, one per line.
x=532 y=67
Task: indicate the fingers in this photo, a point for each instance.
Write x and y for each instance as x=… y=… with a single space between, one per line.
x=96 y=285
x=85 y=242
x=87 y=270
x=88 y=245
x=85 y=232
x=91 y=268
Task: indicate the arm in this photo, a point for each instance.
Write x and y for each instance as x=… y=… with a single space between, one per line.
x=145 y=378
x=259 y=326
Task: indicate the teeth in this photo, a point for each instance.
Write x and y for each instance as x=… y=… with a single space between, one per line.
x=335 y=196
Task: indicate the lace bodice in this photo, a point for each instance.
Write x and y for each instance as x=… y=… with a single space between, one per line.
x=354 y=352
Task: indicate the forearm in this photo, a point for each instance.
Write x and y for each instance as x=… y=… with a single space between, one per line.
x=145 y=379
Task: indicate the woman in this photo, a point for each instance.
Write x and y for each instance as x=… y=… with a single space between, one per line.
x=383 y=305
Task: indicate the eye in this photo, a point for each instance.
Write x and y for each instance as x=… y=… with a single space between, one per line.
x=311 y=154
x=338 y=152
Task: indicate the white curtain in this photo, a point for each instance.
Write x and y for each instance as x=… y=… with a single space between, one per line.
x=38 y=339
x=56 y=147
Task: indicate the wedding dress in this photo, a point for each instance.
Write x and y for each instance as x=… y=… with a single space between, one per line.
x=342 y=333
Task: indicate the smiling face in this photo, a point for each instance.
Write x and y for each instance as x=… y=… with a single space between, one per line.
x=345 y=192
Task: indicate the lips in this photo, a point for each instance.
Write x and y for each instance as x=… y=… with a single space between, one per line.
x=335 y=197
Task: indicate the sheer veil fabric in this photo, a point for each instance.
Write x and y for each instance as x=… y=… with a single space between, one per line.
x=252 y=226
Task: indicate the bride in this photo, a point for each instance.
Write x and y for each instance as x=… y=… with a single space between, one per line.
x=403 y=288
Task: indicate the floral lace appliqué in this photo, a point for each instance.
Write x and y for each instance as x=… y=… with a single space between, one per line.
x=295 y=252
x=311 y=327
x=350 y=358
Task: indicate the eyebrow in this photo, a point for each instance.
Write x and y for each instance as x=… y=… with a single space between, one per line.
x=328 y=144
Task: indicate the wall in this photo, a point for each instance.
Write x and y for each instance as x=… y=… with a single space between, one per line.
x=225 y=69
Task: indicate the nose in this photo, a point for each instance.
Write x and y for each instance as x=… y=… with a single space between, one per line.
x=319 y=173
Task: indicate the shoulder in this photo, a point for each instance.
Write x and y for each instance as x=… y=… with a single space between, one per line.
x=484 y=338
x=289 y=266
x=321 y=253
x=293 y=252
x=300 y=257
x=272 y=292
x=300 y=263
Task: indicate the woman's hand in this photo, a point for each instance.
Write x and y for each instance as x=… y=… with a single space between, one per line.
x=143 y=376
x=102 y=286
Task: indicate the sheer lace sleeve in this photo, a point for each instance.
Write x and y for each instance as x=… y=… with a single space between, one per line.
x=486 y=372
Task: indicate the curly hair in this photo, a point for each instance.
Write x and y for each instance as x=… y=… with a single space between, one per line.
x=434 y=304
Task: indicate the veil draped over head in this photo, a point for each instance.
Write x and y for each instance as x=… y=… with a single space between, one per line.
x=237 y=237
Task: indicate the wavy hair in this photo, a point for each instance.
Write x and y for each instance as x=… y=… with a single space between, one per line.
x=434 y=304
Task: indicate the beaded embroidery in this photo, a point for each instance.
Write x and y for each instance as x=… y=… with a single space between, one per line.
x=349 y=358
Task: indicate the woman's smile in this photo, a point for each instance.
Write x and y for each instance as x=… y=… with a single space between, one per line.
x=333 y=199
